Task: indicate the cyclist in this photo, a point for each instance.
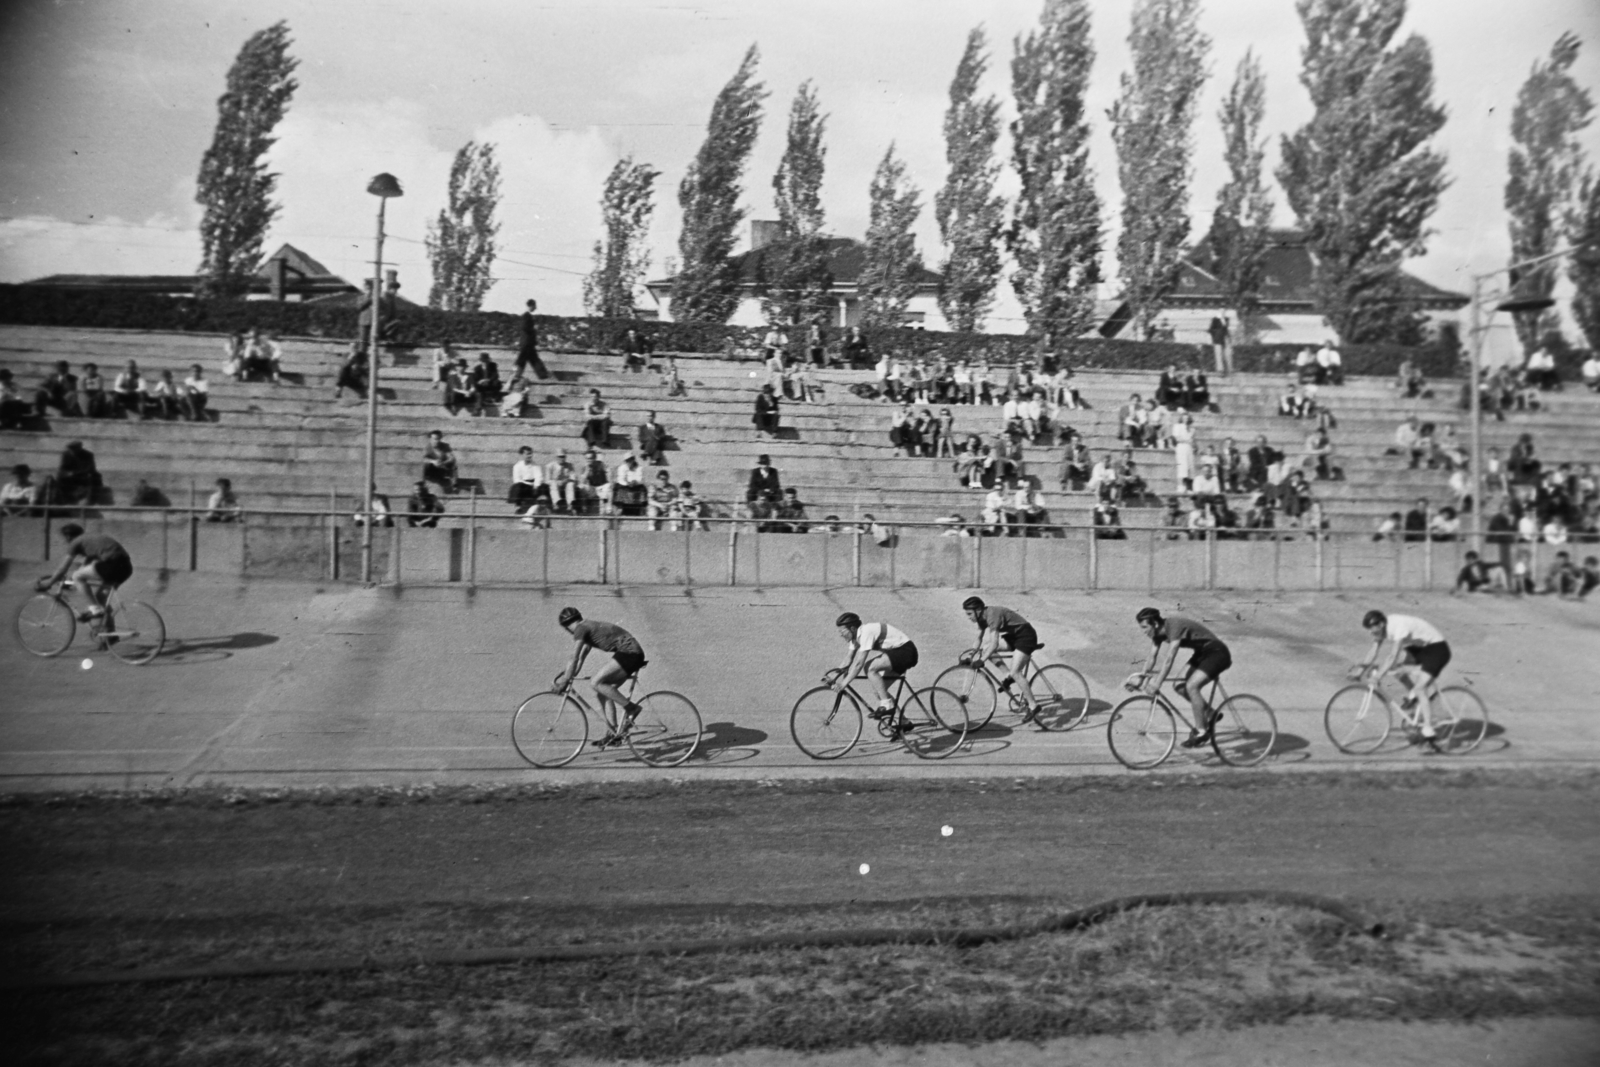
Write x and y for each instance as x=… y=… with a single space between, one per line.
x=1416 y=643
x=999 y=626
x=1210 y=658
x=627 y=658
x=879 y=648
x=106 y=566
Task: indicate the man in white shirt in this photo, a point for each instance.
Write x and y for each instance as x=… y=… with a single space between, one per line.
x=562 y=478
x=1329 y=361
x=996 y=510
x=1416 y=643
x=1103 y=479
x=527 y=480
x=1591 y=371
x=196 y=394
x=880 y=650
x=627 y=486
x=1541 y=369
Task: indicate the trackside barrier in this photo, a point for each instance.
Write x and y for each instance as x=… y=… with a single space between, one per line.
x=472 y=548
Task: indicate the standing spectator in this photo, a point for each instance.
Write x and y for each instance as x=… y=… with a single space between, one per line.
x=527 y=482
x=423 y=509
x=77 y=476
x=766 y=413
x=652 y=440
x=439 y=462
x=1219 y=344
x=597 y=421
x=944 y=434
x=60 y=391
x=856 y=352
x=764 y=488
x=1416 y=525
x=223 y=506
x=1522 y=574
x=561 y=477
x=528 y=347
x=1231 y=466
x=196 y=394
x=20 y=494
x=663 y=499
x=775 y=371
x=816 y=343
x=884 y=367
x=1502 y=534
x=1183 y=449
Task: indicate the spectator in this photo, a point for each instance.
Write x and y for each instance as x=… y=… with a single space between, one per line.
x=969 y=463
x=671 y=381
x=776 y=376
x=1219 y=343
x=146 y=495
x=1503 y=533
x=444 y=359
x=1408 y=439
x=262 y=357
x=944 y=434
x=1169 y=388
x=423 y=509
x=13 y=409
x=1522 y=582
x=1562 y=578
x=663 y=499
x=1589 y=577
x=882 y=371
x=597 y=421
x=1126 y=417
x=998 y=511
x=1103 y=479
x=807 y=386
x=1262 y=458
x=382 y=512
x=1445 y=450
x=516 y=398
x=92 y=399
x=1201 y=520
x=1555 y=531
x=1330 y=365
x=1294 y=497
x=459 y=391
x=1416 y=524
x=1461 y=486
x=439 y=462
x=816 y=344
x=353 y=373
x=1319 y=450
x=528 y=346
x=561 y=477
x=1521 y=465
x=1107 y=521
x=1475 y=574
x=1445 y=525
x=1409 y=380
x=791 y=514
x=233 y=355
x=20 y=494
x=196 y=394
x=1196 y=391
x=1306 y=370
x=223 y=506
x=1183 y=449
x=1231 y=467
x=1175 y=520
x=129 y=390
x=486 y=386
x=60 y=391
x=161 y=396
x=765 y=488
x=1258 y=517
x=1130 y=483
x=77 y=476
x=595 y=484
x=776 y=343
x=766 y=413
x=1076 y=465
x=983 y=383
x=1540 y=371
x=629 y=494
x=1207 y=486
x=1388 y=527
x=652 y=440
x=1030 y=507
x=856 y=352
x=636 y=350
x=689 y=509
x=1291 y=403
x=1591 y=372
x=527 y=482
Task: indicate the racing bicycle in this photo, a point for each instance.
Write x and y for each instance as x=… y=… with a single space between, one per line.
x=929 y=723
x=550 y=729
x=1144 y=728
x=130 y=630
x=1061 y=692
x=1359 y=718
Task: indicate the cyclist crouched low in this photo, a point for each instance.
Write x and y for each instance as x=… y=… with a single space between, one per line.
x=1210 y=658
x=106 y=566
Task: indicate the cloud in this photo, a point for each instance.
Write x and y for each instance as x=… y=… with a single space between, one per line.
x=33 y=246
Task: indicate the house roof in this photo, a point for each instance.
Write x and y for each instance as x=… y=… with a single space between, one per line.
x=846 y=258
x=303 y=275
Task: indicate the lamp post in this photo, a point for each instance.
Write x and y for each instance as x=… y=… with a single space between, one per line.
x=383 y=186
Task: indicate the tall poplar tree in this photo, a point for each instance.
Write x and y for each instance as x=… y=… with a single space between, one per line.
x=795 y=282
x=706 y=287
x=1055 y=232
x=1545 y=167
x=1360 y=175
x=1152 y=125
x=1583 y=232
x=1239 y=225
x=461 y=241
x=970 y=216
x=234 y=185
x=891 y=262
x=621 y=256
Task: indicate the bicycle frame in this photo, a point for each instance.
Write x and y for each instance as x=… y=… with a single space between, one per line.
x=1181 y=708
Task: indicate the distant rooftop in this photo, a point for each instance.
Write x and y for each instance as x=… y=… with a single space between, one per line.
x=287 y=274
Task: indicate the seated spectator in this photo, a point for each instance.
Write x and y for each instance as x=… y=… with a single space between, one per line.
x=1169 y=389
x=1521 y=465
x=20 y=494
x=60 y=391
x=1207 y=486
x=129 y=390
x=671 y=380
x=146 y=495
x=999 y=511
x=1388 y=527
x=689 y=510
x=663 y=499
x=1066 y=390
x=1416 y=524
x=233 y=355
x=353 y=373
x=594 y=485
x=423 y=509
x=902 y=430
x=1201 y=520
x=382 y=513
x=1107 y=521
x=1589 y=577
x=1103 y=479
x=856 y=352
x=223 y=506
x=955 y=525
x=439 y=462
x=195 y=394
x=1262 y=459
x=629 y=494
x=764 y=489
x=1562 y=578
x=527 y=483
x=1591 y=372
x=1175 y=519
x=1293 y=497
x=77 y=476
x=444 y=361
x=1540 y=371
x=1029 y=507
x=1329 y=365
x=1231 y=467
x=1158 y=433
x=1445 y=525
x=486 y=386
x=1555 y=531
x=1409 y=380
x=561 y=478
x=1197 y=392
x=1290 y=403
x=1131 y=419
x=1258 y=517
x=1319 y=452
x=518 y=392
x=1076 y=465
x=162 y=397
x=1408 y=440
x=969 y=462
x=652 y=440
x=13 y=409
x=1130 y=483
x=1476 y=574
x=460 y=394
x=807 y=386
x=791 y=514
x=1305 y=367
x=1446 y=450
x=93 y=401
x=636 y=350
x=881 y=535
x=597 y=421
x=262 y=358
x=766 y=412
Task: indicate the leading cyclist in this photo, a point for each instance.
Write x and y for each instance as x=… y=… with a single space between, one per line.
x=878 y=648
x=999 y=626
x=106 y=565
x=627 y=657
x=1210 y=658
x=1416 y=643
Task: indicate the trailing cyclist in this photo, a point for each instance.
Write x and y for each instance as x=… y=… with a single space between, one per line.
x=627 y=657
x=999 y=627
x=1416 y=644
x=879 y=649
x=106 y=565
x=1209 y=659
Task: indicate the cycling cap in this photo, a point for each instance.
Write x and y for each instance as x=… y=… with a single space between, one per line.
x=1373 y=618
x=972 y=603
x=569 y=616
x=849 y=618
x=1147 y=615
x=71 y=530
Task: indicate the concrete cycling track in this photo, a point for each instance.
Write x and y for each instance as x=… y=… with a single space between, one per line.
x=293 y=684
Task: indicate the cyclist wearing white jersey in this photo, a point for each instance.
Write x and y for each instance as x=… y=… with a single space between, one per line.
x=878 y=648
x=1416 y=643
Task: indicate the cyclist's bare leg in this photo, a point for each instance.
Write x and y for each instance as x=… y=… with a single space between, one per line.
x=605 y=684
x=878 y=666
x=1018 y=666
x=86 y=580
x=1419 y=693
x=1193 y=683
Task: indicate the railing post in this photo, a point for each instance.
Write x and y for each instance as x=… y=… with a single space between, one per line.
x=600 y=575
x=194 y=541
x=1399 y=550
x=545 y=566
x=1277 y=562
x=1317 y=542
x=977 y=563
x=616 y=553
x=855 y=570
x=733 y=553
x=688 y=578
x=894 y=540
x=394 y=553
x=472 y=528
x=755 y=539
x=1427 y=558
x=1022 y=564
x=1094 y=557
x=1211 y=559
x=1150 y=561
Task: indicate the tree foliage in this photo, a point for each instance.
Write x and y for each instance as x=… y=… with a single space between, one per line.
x=620 y=258
x=1545 y=167
x=1360 y=175
x=1583 y=233
x=234 y=187
x=1055 y=231
x=891 y=262
x=970 y=216
x=706 y=288
x=461 y=241
x=1152 y=125
x=794 y=280
x=1239 y=225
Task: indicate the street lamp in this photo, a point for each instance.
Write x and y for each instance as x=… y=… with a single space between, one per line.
x=383 y=186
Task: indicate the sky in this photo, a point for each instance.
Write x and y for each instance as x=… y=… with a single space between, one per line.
x=106 y=107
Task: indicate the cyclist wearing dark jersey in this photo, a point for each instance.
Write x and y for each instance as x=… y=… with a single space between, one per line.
x=878 y=648
x=626 y=659
x=1001 y=629
x=106 y=565
x=1210 y=658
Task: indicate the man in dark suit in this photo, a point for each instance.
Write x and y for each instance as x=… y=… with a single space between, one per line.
x=1416 y=524
x=1260 y=457
x=528 y=348
x=764 y=490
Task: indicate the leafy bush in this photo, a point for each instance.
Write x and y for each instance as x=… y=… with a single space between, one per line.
x=1435 y=361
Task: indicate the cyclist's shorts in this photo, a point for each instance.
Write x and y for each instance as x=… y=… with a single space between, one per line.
x=118 y=569
x=629 y=661
x=1431 y=658
x=903 y=658
x=1026 y=639
x=1212 y=658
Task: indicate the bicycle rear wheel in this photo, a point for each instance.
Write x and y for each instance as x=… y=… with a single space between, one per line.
x=1245 y=734
x=550 y=729
x=933 y=723
x=977 y=687
x=1062 y=695
x=45 y=625
x=1460 y=719
x=1141 y=732
x=1358 y=719
x=825 y=724
x=135 y=634
x=667 y=729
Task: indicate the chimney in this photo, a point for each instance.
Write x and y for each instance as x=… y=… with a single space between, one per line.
x=763 y=232
x=276 y=269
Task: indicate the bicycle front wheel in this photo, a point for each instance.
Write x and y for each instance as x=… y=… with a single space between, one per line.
x=550 y=729
x=45 y=625
x=667 y=729
x=136 y=633
x=825 y=724
x=933 y=723
x=1358 y=719
x=1246 y=732
x=1062 y=695
x=1141 y=732
x=978 y=689
x=1461 y=720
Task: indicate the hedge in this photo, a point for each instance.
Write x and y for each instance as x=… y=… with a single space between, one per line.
x=1434 y=360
